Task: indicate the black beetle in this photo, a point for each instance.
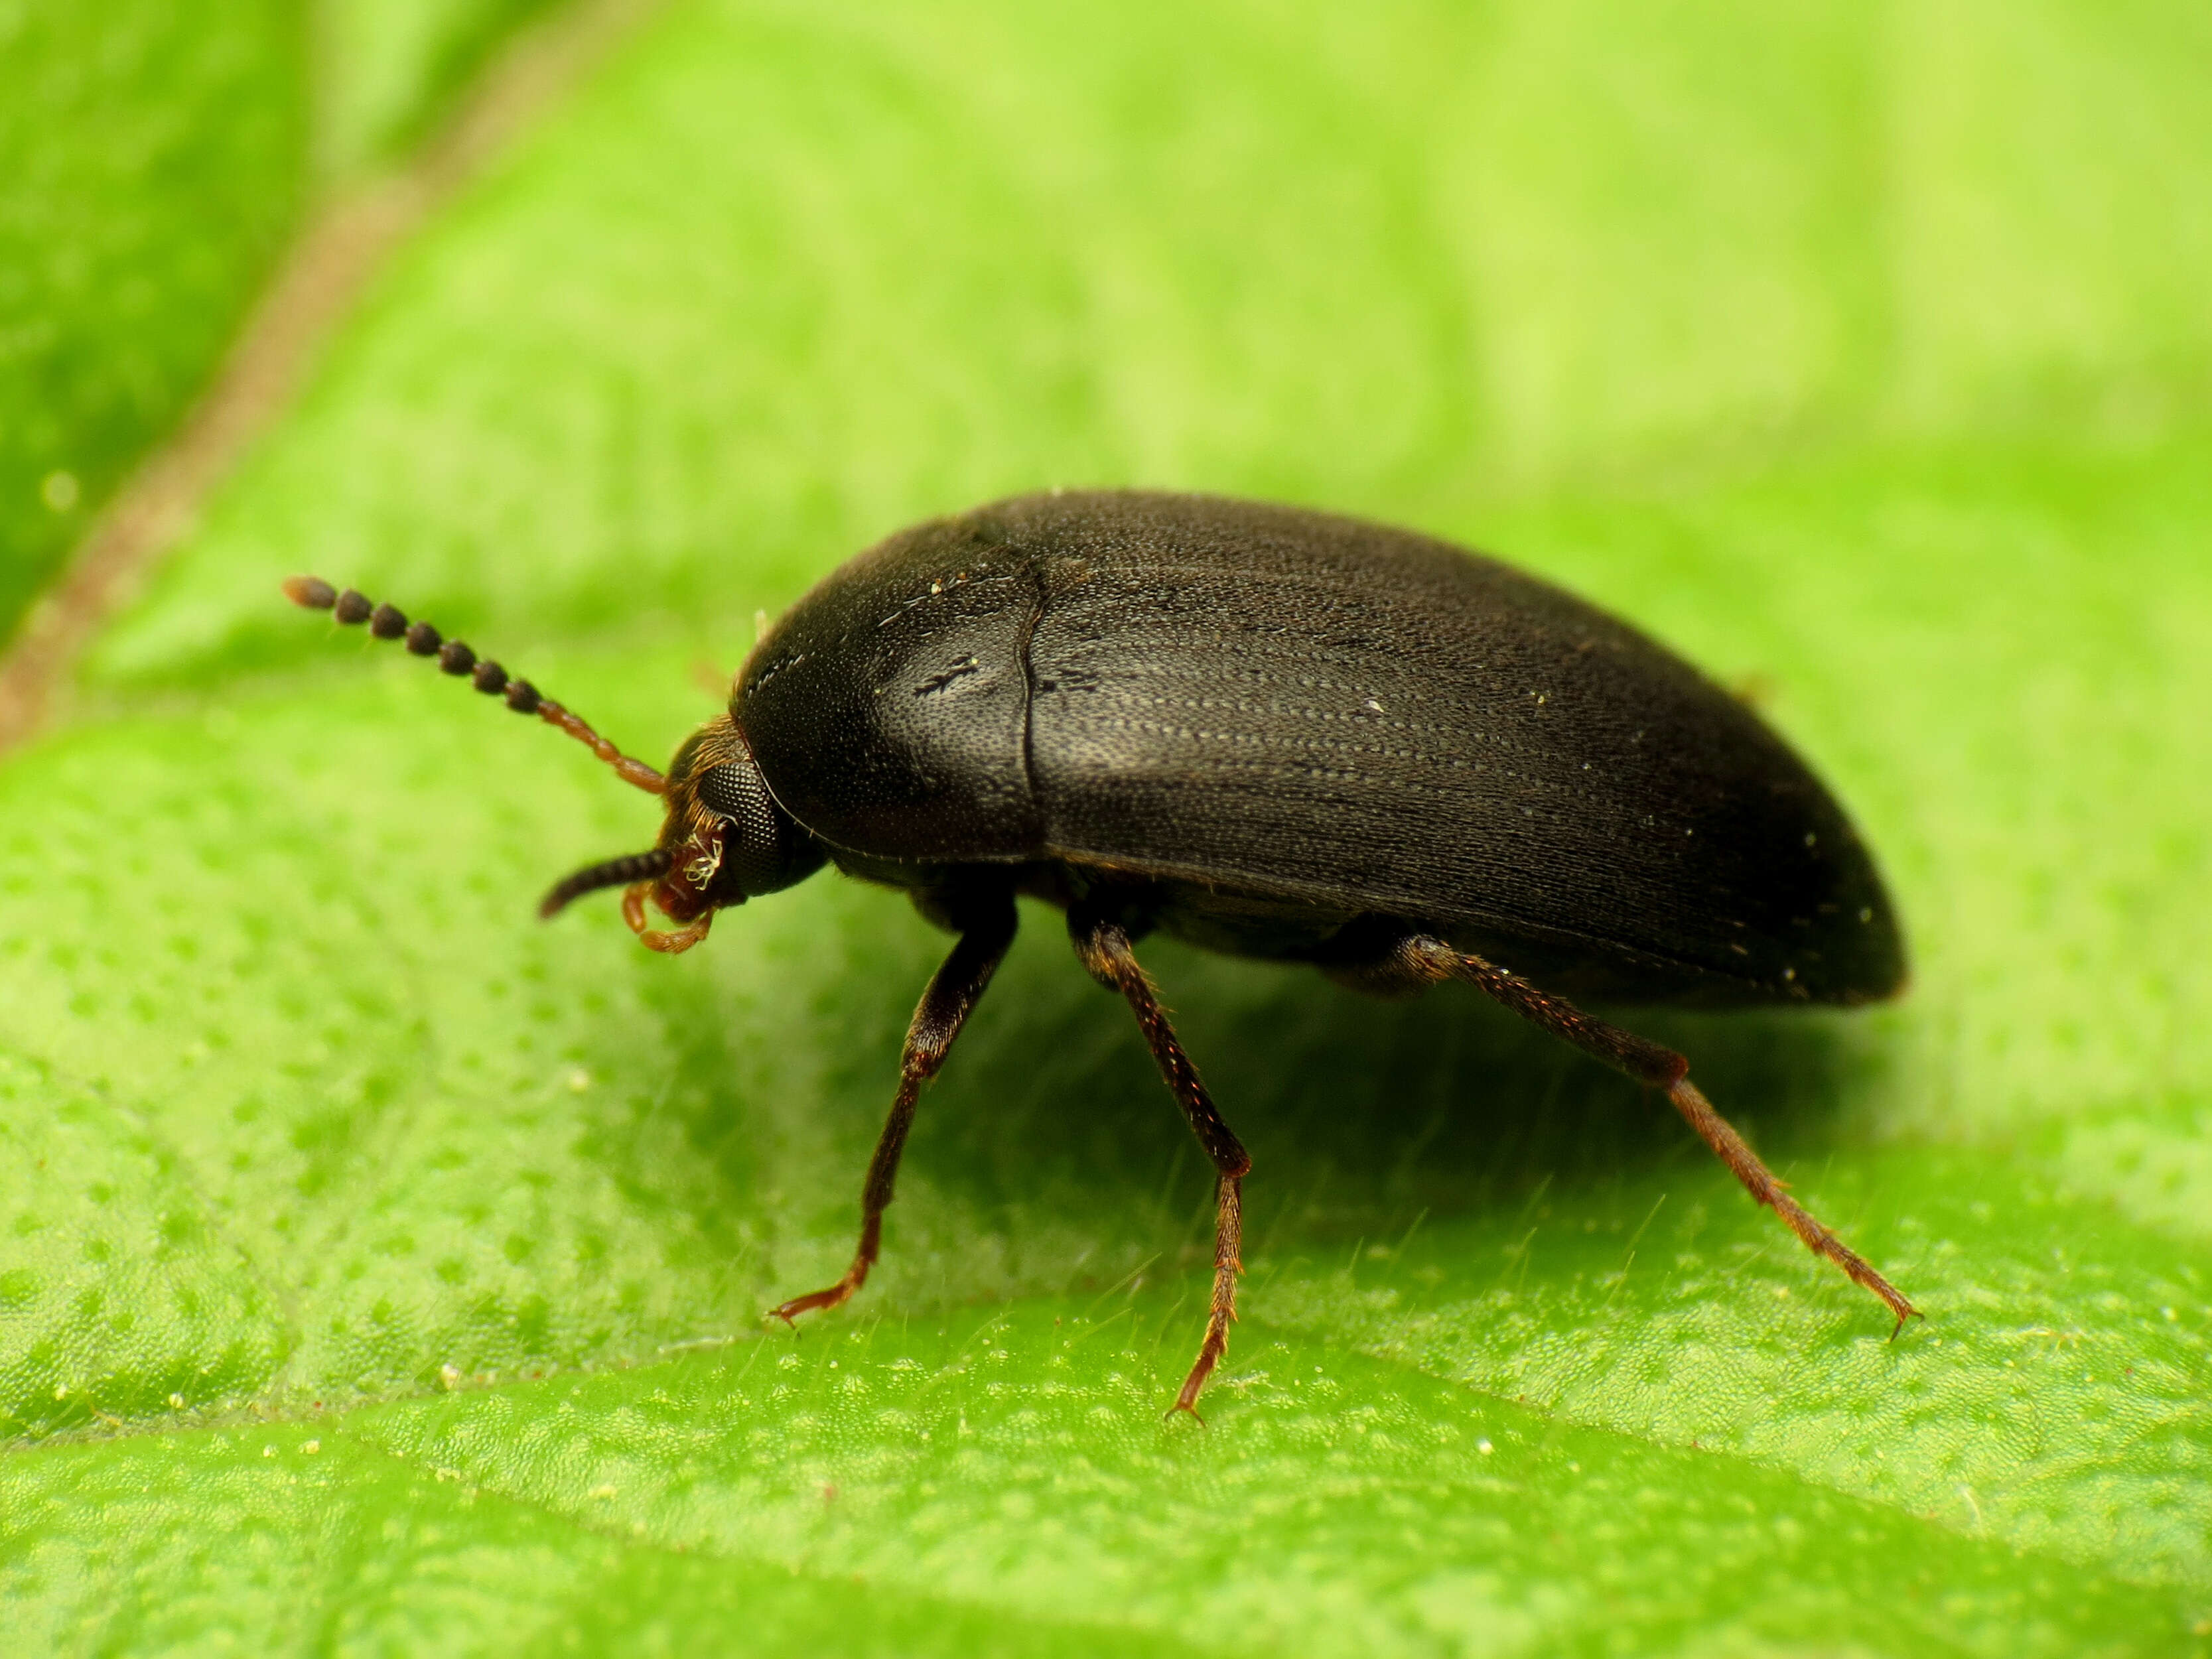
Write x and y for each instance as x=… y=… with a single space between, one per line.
x=1268 y=732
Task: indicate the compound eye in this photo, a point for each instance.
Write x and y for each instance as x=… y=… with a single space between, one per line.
x=736 y=792
x=763 y=850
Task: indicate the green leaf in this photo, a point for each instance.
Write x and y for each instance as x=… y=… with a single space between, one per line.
x=150 y=165
x=152 y=160
x=383 y=1268
x=392 y=68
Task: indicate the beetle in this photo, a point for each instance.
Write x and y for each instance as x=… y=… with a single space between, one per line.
x=1269 y=732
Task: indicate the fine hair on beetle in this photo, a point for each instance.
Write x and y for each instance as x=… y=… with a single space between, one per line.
x=1270 y=733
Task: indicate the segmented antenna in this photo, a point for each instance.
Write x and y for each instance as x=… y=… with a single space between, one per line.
x=387 y=622
x=613 y=872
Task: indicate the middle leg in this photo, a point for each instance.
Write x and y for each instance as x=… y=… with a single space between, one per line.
x=1102 y=945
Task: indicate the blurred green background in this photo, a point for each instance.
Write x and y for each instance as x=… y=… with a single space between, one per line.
x=382 y=1271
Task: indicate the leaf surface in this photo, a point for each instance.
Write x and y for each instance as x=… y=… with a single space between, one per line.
x=1856 y=356
x=150 y=165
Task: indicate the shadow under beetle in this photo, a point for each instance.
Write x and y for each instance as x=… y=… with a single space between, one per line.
x=1271 y=732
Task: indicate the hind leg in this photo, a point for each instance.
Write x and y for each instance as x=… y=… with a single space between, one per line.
x=1416 y=959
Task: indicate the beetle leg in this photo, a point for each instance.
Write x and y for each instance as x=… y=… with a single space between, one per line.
x=1661 y=1068
x=987 y=929
x=1102 y=945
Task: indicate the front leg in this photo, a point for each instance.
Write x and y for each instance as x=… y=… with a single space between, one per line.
x=1101 y=943
x=986 y=922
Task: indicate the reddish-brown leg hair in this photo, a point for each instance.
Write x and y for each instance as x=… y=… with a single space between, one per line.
x=1421 y=957
x=987 y=929
x=1104 y=947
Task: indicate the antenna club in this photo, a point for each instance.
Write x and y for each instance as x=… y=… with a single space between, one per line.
x=388 y=622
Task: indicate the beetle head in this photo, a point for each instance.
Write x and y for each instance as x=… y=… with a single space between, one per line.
x=724 y=838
